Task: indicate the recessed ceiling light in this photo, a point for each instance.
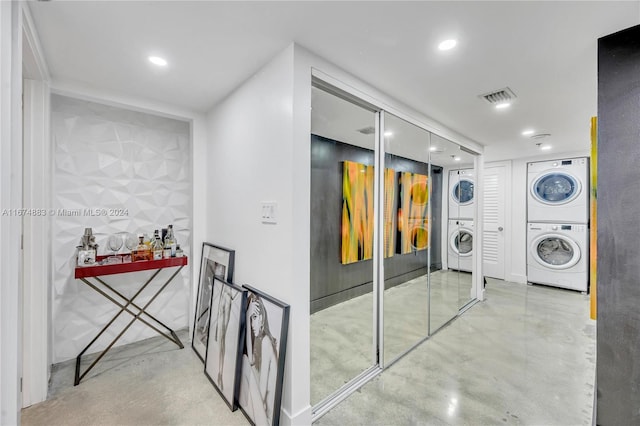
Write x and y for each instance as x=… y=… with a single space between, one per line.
x=527 y=132
x=456 y=158
x=433 y=148
x=447 y=44
x=503 y=105
x=156 y=60
x=388 y=133
x=545 y=147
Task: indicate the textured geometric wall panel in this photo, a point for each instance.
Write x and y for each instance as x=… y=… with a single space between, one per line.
x=111 y=158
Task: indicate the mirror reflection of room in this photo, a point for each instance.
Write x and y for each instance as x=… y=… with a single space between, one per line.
x=410 y=194
x=342 y=231
x=424 y=285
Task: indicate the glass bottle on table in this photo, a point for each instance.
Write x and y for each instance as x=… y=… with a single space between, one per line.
x=157 y=246
x=142 y=251
x=170 y=243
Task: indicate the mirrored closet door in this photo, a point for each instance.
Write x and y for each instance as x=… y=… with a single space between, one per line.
x=407 y=218
x=343 y=326
x=392 y=211
x=450 y=281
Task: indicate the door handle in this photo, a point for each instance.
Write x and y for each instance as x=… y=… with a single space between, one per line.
x=500 y=228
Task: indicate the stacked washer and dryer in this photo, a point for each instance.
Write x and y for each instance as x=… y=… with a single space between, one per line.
x=558 y=223
x=460 y=232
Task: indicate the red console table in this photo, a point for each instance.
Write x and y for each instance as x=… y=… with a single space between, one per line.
x=87 y=274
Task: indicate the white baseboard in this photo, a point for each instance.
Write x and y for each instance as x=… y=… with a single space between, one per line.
x=301 y=418
x=516 y=278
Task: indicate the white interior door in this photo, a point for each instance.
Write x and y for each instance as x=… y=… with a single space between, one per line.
x=493 y=236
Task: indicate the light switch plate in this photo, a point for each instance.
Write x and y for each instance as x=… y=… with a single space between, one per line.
x=269 y=212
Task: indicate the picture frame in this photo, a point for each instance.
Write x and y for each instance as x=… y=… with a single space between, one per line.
x=215 y=261
x=223 y=358
x=263 y=356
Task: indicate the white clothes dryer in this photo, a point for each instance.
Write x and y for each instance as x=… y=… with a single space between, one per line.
x=461 y=194
x=558 y=255
x=558 y=191
x=460 y=247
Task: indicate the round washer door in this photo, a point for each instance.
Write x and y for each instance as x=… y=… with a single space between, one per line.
x=555 y=188
x=462 y=192
x=461 y=241
x=555 y=251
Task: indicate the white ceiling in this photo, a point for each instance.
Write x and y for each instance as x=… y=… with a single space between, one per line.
x=546 y=52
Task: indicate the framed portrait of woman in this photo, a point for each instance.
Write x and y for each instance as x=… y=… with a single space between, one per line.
x=226 y=337
x=263 y=355
x=216 y=262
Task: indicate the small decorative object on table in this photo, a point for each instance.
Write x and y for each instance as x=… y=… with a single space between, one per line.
x=114 y=243
x=87 y=249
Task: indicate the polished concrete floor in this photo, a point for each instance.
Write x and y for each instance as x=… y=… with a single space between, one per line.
x=409 y=314
x=152 y=382
x=524 y=356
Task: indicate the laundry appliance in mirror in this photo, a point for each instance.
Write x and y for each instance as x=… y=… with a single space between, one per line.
x=460 y=250
x=461 y=194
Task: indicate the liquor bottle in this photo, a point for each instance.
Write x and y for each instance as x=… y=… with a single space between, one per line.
x=142 y=251
x=157 y=246
x=179 y=252
x=170 y=243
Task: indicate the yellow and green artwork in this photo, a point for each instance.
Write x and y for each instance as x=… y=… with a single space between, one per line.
x=357 y=212
x=389 y=210
x=413 y=213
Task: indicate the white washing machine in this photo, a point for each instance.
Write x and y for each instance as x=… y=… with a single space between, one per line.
x=558 y=255
x=461 y=194
x=460 y=247
x=558 y=191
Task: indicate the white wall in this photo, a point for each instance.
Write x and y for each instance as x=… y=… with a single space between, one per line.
x=199 y=165
x=36 y=266
x=10 y=198
x=113 y=158
x=250 y=160
x=516 y=271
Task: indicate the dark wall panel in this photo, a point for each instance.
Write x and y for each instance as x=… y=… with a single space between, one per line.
x=331 y=281
x=618 y=326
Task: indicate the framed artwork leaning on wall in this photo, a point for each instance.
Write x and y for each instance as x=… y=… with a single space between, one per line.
x=216 y=262
x=263 y=355
x=226 y=338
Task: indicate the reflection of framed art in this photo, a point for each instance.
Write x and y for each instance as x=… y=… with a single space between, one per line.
x=263 y=353
x=413 y=213
x=215 y=262
x=226 y=335
x=356 y=231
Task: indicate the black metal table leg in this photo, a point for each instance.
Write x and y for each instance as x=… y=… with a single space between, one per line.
x=136 y=316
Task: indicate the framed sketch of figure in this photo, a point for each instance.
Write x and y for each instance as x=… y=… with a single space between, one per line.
x=263 y=354
x=216 y=262
x=226 y=334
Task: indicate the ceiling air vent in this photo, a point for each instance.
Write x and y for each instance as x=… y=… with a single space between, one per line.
x=499 y=96
x=367 y=130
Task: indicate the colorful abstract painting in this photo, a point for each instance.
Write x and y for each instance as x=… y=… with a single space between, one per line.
x=357 y=212
x=594 y=220
x=413 y=213
x=389 y=212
